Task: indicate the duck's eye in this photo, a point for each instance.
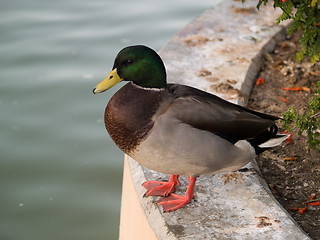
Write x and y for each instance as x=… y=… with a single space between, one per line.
x=128 y=62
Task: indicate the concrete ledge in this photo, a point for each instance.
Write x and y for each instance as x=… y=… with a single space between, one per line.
x=219 y=52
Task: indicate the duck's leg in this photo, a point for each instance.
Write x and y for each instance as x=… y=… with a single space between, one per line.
x=174 y=201
x=158 y=188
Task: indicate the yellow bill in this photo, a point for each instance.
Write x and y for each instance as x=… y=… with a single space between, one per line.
x=112 y=79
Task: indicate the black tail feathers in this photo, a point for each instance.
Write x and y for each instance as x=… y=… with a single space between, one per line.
x=267 y=139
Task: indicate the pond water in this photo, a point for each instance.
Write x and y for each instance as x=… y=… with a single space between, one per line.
x=60 y=174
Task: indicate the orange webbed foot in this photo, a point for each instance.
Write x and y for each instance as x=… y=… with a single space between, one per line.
x=159 y=188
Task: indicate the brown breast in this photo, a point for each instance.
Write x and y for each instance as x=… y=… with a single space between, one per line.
x=128 y=115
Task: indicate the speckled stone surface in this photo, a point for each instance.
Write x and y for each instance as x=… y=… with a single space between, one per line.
x=220 y=52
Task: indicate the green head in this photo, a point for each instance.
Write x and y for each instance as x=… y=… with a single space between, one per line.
x=139 y=64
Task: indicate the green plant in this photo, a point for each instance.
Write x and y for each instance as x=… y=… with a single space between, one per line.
x=309 y=122
x=305 y=15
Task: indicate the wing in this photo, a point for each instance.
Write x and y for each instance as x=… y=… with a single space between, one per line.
x=208 y=112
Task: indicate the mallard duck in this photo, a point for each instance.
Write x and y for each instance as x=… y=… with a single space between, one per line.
x=177 y=129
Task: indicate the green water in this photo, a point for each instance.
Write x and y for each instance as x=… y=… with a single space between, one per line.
x=60 y=174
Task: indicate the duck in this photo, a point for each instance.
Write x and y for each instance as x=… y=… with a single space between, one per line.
x=177 y=129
